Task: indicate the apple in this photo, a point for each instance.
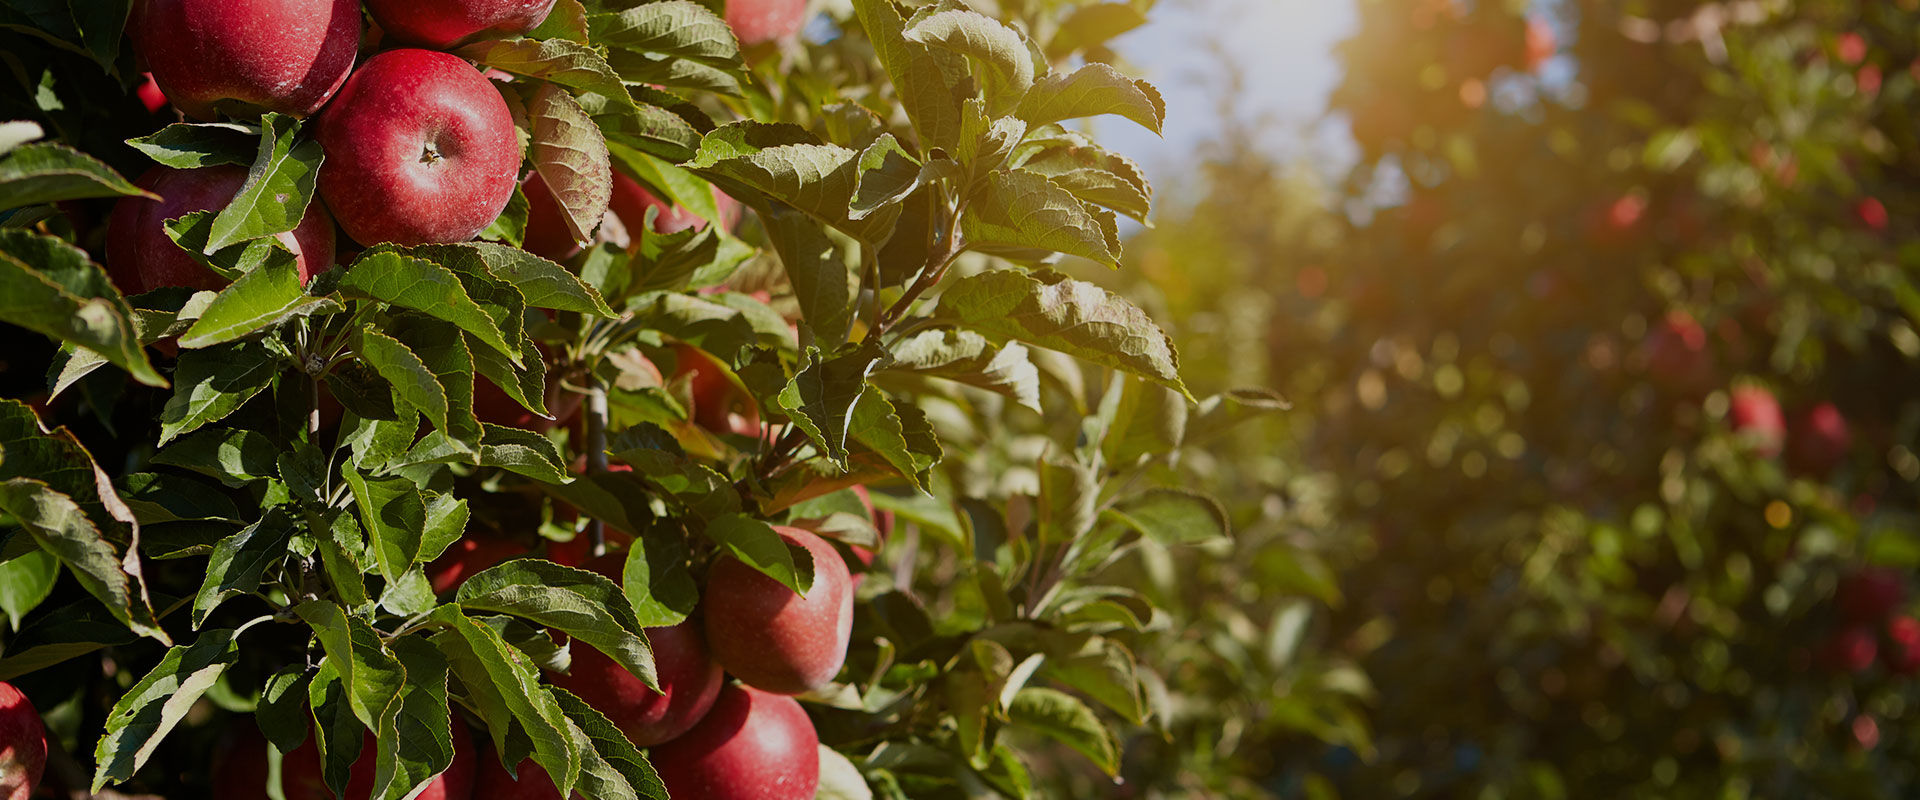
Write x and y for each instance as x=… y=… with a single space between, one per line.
x=1541 y=43
x=1756 y=418
x=718 y=405
x=1851 y=47
x=547 y=235
x=689 y=678
x=420 y=148
x=1872 y=213
x=1869 y=594
x=1676 y=352
x=141 y=257
x=23 y=745
x=243 y=57
x=528 y=781
x=1819 y=440
x=751 y=746
x=1850 y=650
x=757 y=22
x=882 y=522
x=240 y=773
x=491 y=404
x=150 y=95
x=772 y=638
x=1904 y=657
x=470 y=555
x=441 y=24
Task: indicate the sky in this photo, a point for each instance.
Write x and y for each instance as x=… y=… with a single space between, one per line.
x=1283 y=47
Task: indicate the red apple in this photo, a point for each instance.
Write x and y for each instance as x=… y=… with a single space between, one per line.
x=1851 y=650
x=689 y=678
x=491 y=404
x=1756 y=418
x=527 y=782
x=150 y=95
x=1904 y=657
x=1869 y=594
x=441 y=24
x=718 y=405
x=757 y=22
x=23 y=745
x=470 y=555
x=1541 y=42
x=242 y=57
x=752 y=746
x=140 y=256
x=420 y=148
x=547 y=235
x=1851 y=47
x=239 y=770
x=771 y=638
x=1677 y=356
x=1820 y=440
x=1872 y=213
x=882 y=522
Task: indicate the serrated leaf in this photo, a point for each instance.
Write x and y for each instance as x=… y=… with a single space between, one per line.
x=887 y=174
x=557 y=61
x=25 y=582
x=51 y=287
x=970 y=358
x=239 y=561
x=279 y=184
x=213 y=382
x=755 y=543
x=338 y=735
x=570 y=154
x=1091 y=91
x=1019 y=209
x=415 y=743
x=412 y=381
x=657 y=582
x=506 y=690
x=266 y=296
x=788 y=164
x=189 y=145
x=282 y=712
x=705 y=492
x=822 y=394
x=371 y=676
x=1006 y=64
x=514 y=450
x=674 y=28
x=877 y=426
x=611 y=768
x=672 y=73
x=234 y=457
x=342 y=549
x=542 y=283
x=923 y=77
x=154 y=705
x=60 y=527
x=1063 y=718
x=46 y=172
x=1174 y=517
x=671 y=132
x=580 y=603
x=395 y=516
x=567 y=20
x=162 y=497
x=1046 y=309
x=426 y=287
x=444 y=351
x=61 y=634
x=821 y=280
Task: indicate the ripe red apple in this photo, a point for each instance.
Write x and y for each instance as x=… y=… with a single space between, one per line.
x=1820 y=440
x=470 y=555
x=441 y=24
x=718 y=405
x=689 y=678
x=771 y=638
x=882 y=522
x=1872 y=213
x=23 y=745
x=1868 y=595
x=420 y=148
x=547 y=235
x=757 y=22
x=1677 y=356
x=528 y=781
x=491 y=404
x=1851 y=47
x=239 y=770
x=150 y=95
x=752 y=746
x=1757 y=419
x=1850 y=650
x=1903 y=658
x=242 y=57
x=140 y=256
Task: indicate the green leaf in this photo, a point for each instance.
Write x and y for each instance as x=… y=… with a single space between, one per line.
x=342 y=548
x=1094 y=175
x=887 y=174
x=426 y=287
x=394 y=514
x=213 y=382
x=877 y=425
x=1046 y=309
x=1063 y=718
x=338 y=735
x=239 y=561
x=657 y=582
x=755 y=543
x=46 y=172
x=839 y=778
x=924 y=78
x=279 y=185
x=189 y=145
x=556 y=61
x=1091 y=91
x=705 y=492
x=50 y=287
x=1092 y=25
x=822 y=394
x=567 y=20
x=371 y=676
x=61 y=634
x=1006 y=64
x=582 y=604
x=412 y=381
x=282 y=712
x=149 y=711
x=821 y=281
x=510 y=228
x=444 y=351
x=788 y=164
x=969 y=358
x=61 y=528
x=506 y=690
x=25 y=581
x=1017 y=210
x=672 y=73
x=673 y=28
x=570 y=154
x=415 y=743
x=671 y=132
x=1174 y=517
x=447 y=518
x=234 y=457
x=266 y=296
x=611 y=768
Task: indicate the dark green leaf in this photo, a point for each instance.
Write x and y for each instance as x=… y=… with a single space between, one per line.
x=279 y=185
x=370 y=675
x=1063 y=718
x=282 y=712
x=25 y=581
x=187 y=145
x=1025 y=210
x=756 y=544
x=61 y=528
x=148 y=711
x=235 y=457
x=582 y=604
x=1091 y=91
x=611 y=768
x=822 y=394
x=657 y=582
x=415 y=743
x=426 y=287
x=46 y=172
x=214 y=382
x=52 y=288
x=557 y=61
x=969 y=358
x=505 y=689
x=394 y=514
x=266 y=296
x=240 y=560
x=1080 y=319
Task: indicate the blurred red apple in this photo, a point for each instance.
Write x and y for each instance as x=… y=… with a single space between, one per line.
x=469 y=555
x=1851 y=47
x=757 y=22
x=23 y=745
x=527 y=782
x=1903 y=658
x=751 y=746
x=149 y=93
x=771 y=638
x=240 y=771
x=1819 y=440
x=1677 y=357
x=1756 y=418
x=1872 y=213
x=141 y=258
x=441 y=24
x=718 y=405
x=491 y=404
x=242 y=57
x=689 y=678
x=1868 y=595
x=420 y=148
x=1851 y=650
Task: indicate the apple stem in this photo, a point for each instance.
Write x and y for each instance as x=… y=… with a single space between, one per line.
x=596 y=454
